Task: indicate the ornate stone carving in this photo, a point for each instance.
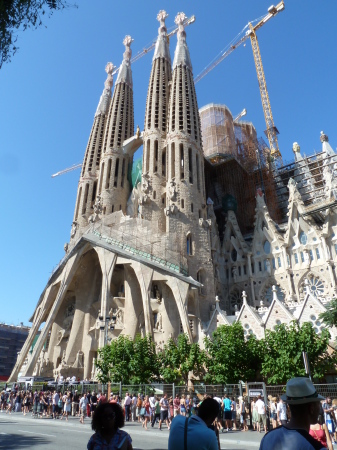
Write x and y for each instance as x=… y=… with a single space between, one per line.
x=98 y=208
x=66 y=247
x=172 y=190
x=79 y=361
x=171 y=210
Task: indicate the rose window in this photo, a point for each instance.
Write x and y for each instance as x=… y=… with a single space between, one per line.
x=316 y=287
x=235 y=299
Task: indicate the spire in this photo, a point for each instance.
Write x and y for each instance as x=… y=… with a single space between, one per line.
x=326 y=147
x=104 y=101
x=181 y=54
x=125 y=74
x=162 y=45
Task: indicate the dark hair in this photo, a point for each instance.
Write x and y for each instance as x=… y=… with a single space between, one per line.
x=208 y=409
x=101 y=410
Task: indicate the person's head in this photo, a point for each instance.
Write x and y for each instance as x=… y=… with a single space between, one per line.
x=165 y=395
x=226 y=395
x=233 y=399
x=107 y=417
x=177 y=395
x=208 y=410
x=259 y=397
x=127 y=394
x=303 y=400
x=328 y=400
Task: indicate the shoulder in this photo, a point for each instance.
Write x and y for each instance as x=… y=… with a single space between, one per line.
x=123 y=434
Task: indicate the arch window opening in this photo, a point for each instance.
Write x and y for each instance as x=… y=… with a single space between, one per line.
x=181 y=151
x=190 y=165
x=173 y=160
x=163 y=163
x=85 y=198
x=155 y=159
x=94 y=189
x=154 y=195
x=201 y=278
x=189 y=244
x=112 y=208
x=108 y=173
x=182 y=203
x=317 y=254
x=116 y=172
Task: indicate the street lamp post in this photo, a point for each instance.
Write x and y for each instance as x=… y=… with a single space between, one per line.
x=106 y=325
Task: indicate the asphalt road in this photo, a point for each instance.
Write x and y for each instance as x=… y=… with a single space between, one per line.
x=19 y=432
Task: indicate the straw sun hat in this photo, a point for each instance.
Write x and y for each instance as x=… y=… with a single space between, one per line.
x=300 y=391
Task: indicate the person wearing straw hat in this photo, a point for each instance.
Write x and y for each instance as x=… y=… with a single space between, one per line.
x=304 y=404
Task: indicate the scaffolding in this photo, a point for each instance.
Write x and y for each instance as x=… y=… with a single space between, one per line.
x=239 y=165
x=142 y=238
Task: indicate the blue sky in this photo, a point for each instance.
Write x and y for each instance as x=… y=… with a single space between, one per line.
x=50 y=90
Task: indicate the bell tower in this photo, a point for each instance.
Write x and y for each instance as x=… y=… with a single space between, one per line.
x=155 y=128
x=113 y=184
x=87 y=187
x=186 y=213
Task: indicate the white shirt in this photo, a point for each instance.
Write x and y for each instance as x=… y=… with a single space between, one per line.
x=233 y=405
x=127 y=400
x=282 y=410
x=152 y=401
x=56 y=398
x=83 y=402
x=163 y=404
x=260 y=406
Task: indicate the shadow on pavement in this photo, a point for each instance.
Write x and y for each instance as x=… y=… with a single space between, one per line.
x=16 y=441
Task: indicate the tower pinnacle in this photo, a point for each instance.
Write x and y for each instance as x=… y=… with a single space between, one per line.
x=125 y=74
x=181 y=54
x=162 y=46
x=104 y=101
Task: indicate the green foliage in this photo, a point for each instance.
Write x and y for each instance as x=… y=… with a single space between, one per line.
x=230 y=357
x=283 y=353
x=144 y=366
x=329 y=317
x=113 y=362
x=179 y=358
x=15 y=14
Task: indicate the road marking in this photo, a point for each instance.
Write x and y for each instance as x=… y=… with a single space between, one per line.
x=40 y=434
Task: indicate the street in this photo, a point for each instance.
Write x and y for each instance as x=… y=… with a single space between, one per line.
x=19 y=432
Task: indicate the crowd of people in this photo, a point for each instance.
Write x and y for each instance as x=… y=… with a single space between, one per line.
x=159 y=410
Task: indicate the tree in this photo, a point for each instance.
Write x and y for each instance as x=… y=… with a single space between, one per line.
x=283 y=359
x=230 y=357
x=144 y=365
x=329 y=317
x=15 y=14
x=113 y=362
x=180 y=358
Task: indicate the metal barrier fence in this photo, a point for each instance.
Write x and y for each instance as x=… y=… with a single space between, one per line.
x=233 y=390
x=148 y=389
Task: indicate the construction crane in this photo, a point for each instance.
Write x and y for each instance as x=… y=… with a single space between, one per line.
x=69 y=169
x=271 y=131
x=241 y=114
x=140 y=54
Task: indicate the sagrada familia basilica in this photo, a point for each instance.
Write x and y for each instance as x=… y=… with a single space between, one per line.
x=212 y=231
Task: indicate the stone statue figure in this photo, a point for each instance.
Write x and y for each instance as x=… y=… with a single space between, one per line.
x=138 y=132
x=98 y=208
x=172 y=190
x=73 y=229
x=66 y=247
x=268 y=266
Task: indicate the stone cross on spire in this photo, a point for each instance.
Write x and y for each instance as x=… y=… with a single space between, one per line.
x=128 y=52
x=104 y=101
x=179 y=20
x=161 y=16
x=109 y=68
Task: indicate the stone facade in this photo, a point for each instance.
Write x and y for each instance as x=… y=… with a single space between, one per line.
x=154 y=257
